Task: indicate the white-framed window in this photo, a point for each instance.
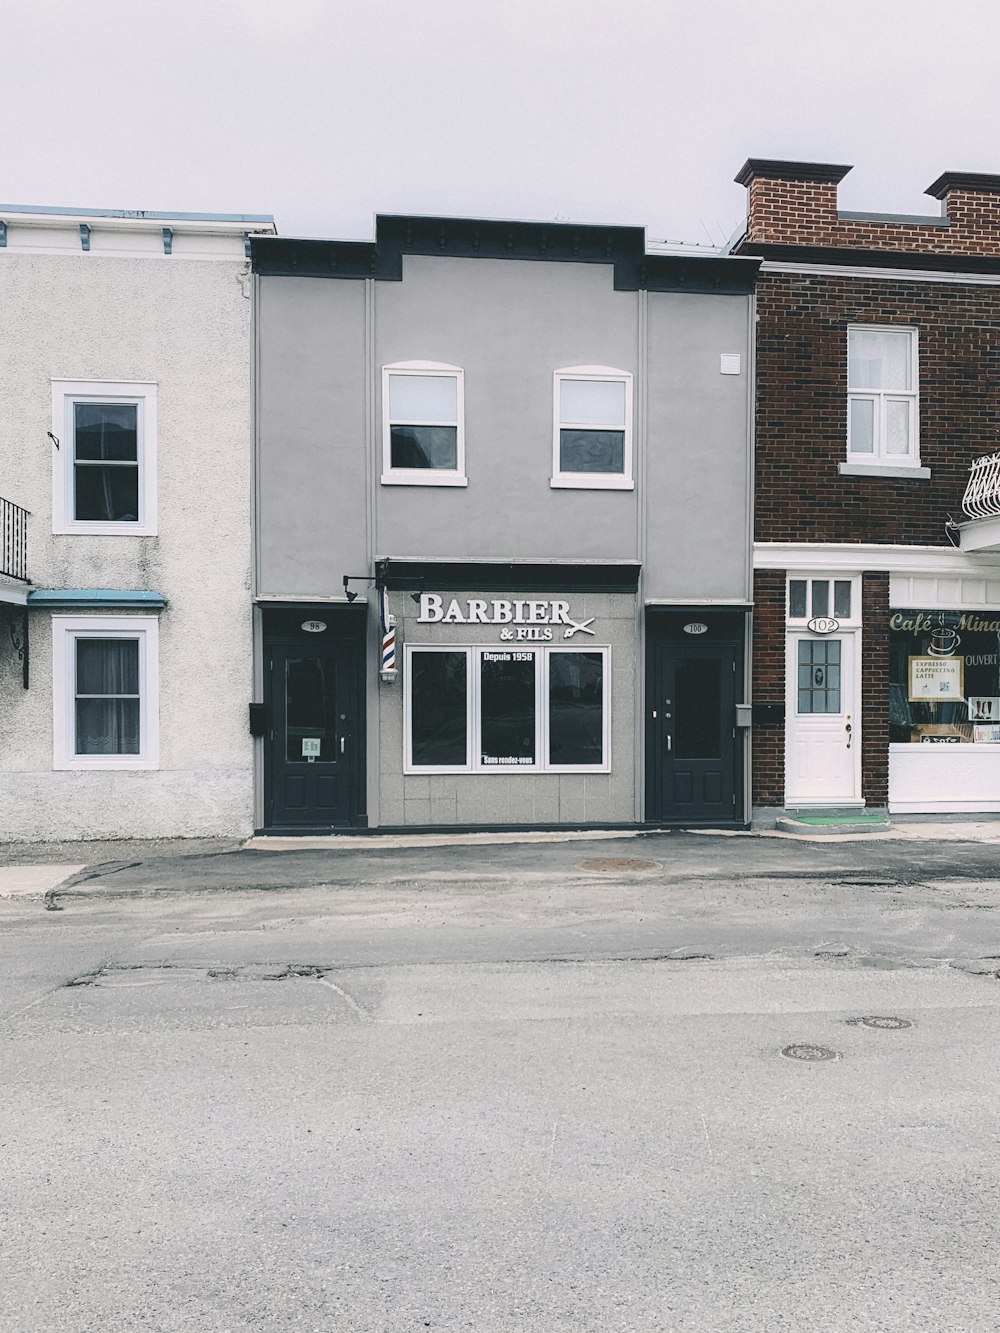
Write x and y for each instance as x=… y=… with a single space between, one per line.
x=882 y=397
x=506 y=709
x=423 y=424
x=104 y=466
x=827 y=597
x=592 y=428
x=105 y=692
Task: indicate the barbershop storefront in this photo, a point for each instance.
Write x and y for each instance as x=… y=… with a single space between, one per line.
x=496 y=706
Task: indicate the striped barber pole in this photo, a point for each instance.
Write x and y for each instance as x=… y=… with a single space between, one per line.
x=388 y=636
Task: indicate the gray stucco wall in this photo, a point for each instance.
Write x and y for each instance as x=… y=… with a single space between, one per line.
x=515 y=798
x=509 y=324
x=698 y=461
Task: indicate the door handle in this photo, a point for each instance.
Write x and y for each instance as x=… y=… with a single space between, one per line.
x=670 y=742
x=849 y=735
x=341 y=745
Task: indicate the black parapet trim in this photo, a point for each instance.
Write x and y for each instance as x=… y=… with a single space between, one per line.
x=770 y=168
x=837 y=255
x=508 y=576
x=977 y=181
x=472 y=238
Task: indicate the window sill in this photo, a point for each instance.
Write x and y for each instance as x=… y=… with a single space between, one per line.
x=106 y=763
x=582 y=481
x=429 y=478
x=909 y=472
x=103 y=530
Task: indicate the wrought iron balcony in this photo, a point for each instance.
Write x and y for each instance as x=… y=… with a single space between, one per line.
x=13 y=541
x=982 y=491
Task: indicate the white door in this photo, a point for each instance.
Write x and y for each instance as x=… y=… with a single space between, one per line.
x=823 y=724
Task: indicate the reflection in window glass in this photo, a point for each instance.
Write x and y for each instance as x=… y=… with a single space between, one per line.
x=797 y=599
x=106 y=462
x=310 y=709
x=438 y=712
x=507 y=708
x=576 y=708
x=698 y=700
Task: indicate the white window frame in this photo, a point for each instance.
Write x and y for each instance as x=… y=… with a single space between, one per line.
x=853 y=621
x=402 y=476
x=879 y=460
x=66 y=632
x=65 y=394
x=473 y=764
x=591 y=481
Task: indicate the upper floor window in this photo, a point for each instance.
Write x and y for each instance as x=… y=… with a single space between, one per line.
x=882 y=397
x=423 y=424
x=104 y=465
x=592 y=438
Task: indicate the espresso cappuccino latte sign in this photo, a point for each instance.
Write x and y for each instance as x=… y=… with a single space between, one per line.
x=520 y=618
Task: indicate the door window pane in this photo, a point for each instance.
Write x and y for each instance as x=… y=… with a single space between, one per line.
x=576 y=708
x=107 y=696
x=507 y=708
x=819 y=676
x=438 y=713
x=698 y=708
x=311 y=709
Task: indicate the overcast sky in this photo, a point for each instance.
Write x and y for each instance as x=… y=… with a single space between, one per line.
x=324 y=112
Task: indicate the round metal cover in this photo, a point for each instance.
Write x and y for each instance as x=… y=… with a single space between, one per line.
x=802 y=1050
x=885 y=1023
x=610 y=864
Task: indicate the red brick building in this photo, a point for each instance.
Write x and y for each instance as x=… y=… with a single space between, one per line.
x=877 y=585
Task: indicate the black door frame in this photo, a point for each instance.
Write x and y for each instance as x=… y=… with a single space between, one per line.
x=346 y=626
x=727 y=629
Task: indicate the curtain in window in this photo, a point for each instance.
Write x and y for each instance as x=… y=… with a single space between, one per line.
x=107 y=696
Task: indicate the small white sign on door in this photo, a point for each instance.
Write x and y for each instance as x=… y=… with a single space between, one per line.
x=310 y=747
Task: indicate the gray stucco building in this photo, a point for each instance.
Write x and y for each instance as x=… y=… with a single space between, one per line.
x=503 y=541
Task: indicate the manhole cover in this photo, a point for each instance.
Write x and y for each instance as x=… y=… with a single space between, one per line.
x=888 y=1024
x=801 y=1050
x=613 y=863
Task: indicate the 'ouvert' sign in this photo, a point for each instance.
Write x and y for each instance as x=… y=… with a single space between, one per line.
x=523 y=617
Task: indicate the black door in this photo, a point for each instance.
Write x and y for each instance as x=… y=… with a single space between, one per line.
x=691 y=733
x=315 y=740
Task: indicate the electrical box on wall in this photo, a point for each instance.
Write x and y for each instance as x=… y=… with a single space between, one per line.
x=744 y=715
x=258 y=719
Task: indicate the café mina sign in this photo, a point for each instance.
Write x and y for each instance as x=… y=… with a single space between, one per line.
x=925 y=622
x=521 y=618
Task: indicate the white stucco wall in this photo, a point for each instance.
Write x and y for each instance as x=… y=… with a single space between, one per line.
x=185 y=324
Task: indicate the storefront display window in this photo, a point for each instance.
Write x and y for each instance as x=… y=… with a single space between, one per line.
x=495 y=709
x=944 y=677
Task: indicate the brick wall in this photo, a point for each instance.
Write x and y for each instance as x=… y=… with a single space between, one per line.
x=802 y=405
x=804 y=212
x=875 y=690
x=768 y=785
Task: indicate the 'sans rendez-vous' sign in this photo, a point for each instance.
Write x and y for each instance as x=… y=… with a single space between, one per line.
x=521 y=619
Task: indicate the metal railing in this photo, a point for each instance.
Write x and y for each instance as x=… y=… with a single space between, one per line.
x=982 y=491
x=13 y=541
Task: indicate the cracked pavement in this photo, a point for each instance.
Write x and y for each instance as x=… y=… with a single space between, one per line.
x=514 y=1087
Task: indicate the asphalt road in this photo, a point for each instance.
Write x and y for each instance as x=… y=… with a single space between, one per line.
x=502 y=1089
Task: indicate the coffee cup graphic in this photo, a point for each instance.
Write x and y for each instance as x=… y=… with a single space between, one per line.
x=943 y=643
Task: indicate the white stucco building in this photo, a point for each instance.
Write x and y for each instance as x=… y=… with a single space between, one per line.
x=125 y=477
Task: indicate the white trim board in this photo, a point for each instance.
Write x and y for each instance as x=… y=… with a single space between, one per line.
x=890 y=274
x=857 y=557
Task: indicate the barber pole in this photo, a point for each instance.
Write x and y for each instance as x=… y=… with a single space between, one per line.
x=388 y=672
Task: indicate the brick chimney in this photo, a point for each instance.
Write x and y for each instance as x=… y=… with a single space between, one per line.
x=790 y=203
x=970 y=201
